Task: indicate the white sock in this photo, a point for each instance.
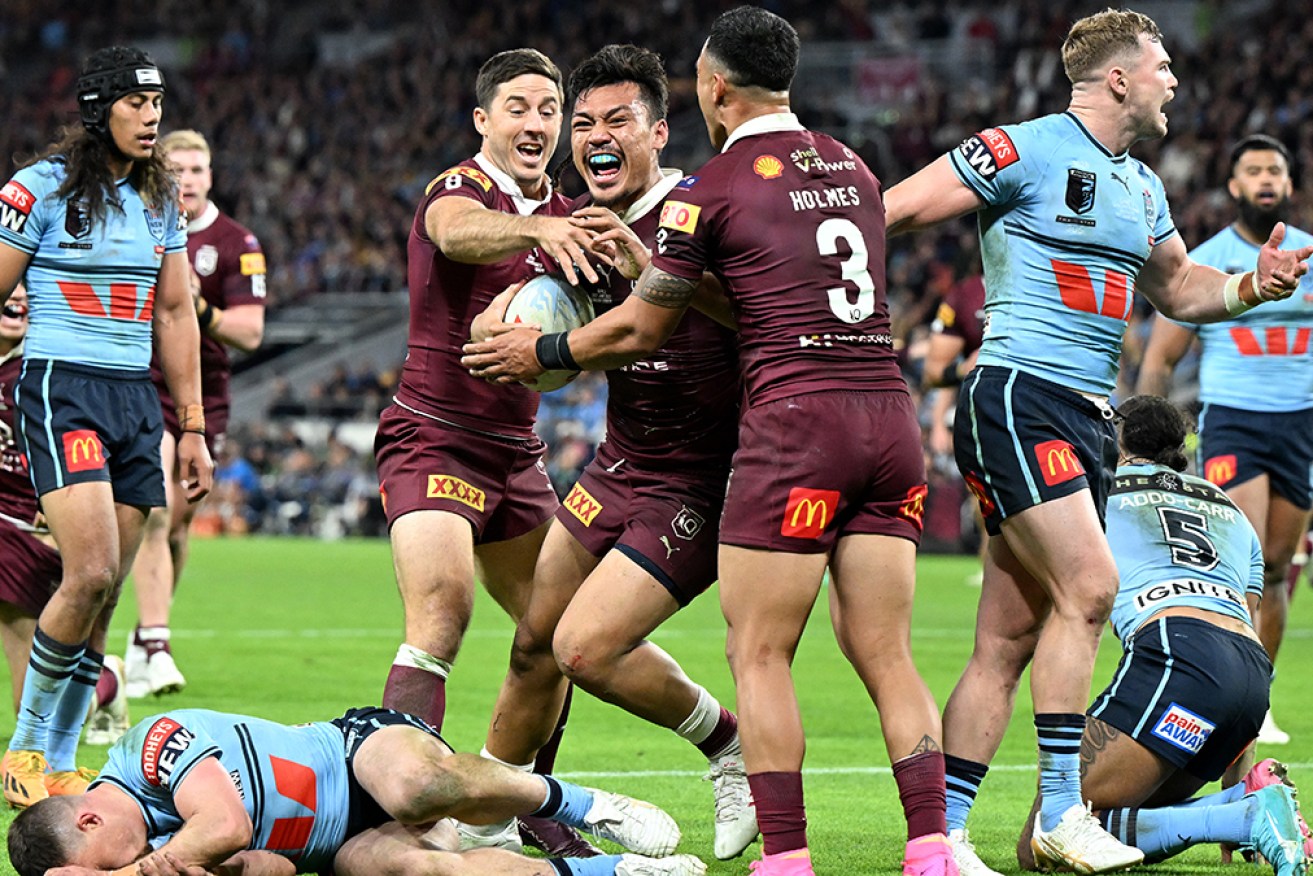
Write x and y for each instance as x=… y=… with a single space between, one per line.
x=522 y=767
x=698 y=725
x=409 y=655
x=153 y=634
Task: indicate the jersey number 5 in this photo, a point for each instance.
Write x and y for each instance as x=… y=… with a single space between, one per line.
x=1187 y=533
x=853 y=269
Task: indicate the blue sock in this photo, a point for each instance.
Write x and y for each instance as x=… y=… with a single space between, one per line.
x=71 y=713
x=1059 y=765
x=1226 y=795
x=600 y=865
x=962 y=779
x=565 y=802
x=1161 y=833
x=49 y=668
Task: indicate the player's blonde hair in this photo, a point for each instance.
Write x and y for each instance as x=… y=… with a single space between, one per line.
x=1096 y=39
x=184 y=139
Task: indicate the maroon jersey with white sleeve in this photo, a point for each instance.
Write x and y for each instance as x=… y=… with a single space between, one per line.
x=446 y=295
x=678 y=408
x=230 y=264
x=17 y=495
x=792 y=223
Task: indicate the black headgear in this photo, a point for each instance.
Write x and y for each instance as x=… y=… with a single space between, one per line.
x=108 y=75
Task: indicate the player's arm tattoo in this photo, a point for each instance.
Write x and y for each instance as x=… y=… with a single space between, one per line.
x=926 y=744
x=665 y=290
x=1096 y=738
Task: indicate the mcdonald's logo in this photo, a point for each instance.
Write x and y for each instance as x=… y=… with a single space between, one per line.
x=82 y=451
x=977 y=488
x=1220 y=470
x=913 y=507
x=582 y=505
x=443 y=486
x=1058 y=462
x=808 y=512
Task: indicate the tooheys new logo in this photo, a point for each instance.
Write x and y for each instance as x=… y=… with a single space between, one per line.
x=16 y=204
x=988 y=152
x=166 y=741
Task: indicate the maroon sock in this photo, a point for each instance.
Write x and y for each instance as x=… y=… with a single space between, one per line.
x=780 y=813
x=920 y=781
x=416 y=692
x=107 y=687
x=545 y=762
x=726 y=726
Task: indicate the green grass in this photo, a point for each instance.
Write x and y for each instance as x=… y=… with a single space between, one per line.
x=300 y=630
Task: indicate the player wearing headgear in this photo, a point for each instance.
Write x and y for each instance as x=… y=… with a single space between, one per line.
x=1256 y=385
x=94 y=228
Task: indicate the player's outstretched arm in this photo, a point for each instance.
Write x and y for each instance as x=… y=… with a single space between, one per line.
x=178 y=342
x=246 y=863
x=1168 y=342
x=932 y=195
x=1190 y=292
x=468 y=232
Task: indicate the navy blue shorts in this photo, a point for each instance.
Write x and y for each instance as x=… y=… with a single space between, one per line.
x=79 y=424
x=357 y=725
x=1192 y=693
x=1237 y=446
x=1021 y=441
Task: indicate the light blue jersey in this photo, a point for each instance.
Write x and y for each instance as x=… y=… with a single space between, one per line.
x=91 y=290
x=1259 y=361
x=1178 y=541
x=1065 y=230
x=293 y=780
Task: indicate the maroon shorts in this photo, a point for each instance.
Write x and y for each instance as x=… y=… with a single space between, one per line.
x=499 y=485
x=664 y=522
x=216 y=422
x=811 y=468
x=30 y=569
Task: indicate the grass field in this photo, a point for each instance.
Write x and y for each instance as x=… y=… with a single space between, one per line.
x=298 y=630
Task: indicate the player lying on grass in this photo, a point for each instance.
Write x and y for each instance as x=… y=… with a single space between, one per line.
x=367 y=793
x=1192 y=687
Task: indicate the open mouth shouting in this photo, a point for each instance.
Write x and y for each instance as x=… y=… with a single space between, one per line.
x=530 y=152
x=604 y=167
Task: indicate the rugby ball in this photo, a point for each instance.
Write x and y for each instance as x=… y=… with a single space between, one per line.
x=551 y=303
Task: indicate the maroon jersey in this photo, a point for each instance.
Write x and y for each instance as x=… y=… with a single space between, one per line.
x=17 y=495
x=962 y=314
x=792 y=223
x=446 y=295
x=678 y=408
x=229 y=261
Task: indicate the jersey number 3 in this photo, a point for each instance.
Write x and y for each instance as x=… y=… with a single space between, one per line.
x=853 y=269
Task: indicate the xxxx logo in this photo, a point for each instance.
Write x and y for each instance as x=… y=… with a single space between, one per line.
x=582 y=505
x=443 y=486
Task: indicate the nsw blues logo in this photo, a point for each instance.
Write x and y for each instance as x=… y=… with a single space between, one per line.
x=155 y=223
x=1183 y=728
x=1080 y=190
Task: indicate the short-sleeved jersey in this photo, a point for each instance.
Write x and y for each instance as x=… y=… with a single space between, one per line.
x=1259 y=361
x=678 y=408
x=791 y=222
x=962 y=313
x=446 y=295
x=1178 y=541
x=228 y=259
x=17 y=495
x=292 y=780
x=90 y=288
x=1065 y=230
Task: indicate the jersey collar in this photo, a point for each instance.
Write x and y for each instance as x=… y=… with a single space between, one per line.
x=205 y=220
x=767 y=124
x=670 y=178
x=15 y=353
x=523 y=205
x=1086 y=131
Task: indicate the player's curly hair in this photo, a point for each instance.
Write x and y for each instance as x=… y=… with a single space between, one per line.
x=43 y=836
x=505 y=66
x=616 y=64
x=1096 y=39
x=758 y=49
x=1155 y=429
x=86 y=155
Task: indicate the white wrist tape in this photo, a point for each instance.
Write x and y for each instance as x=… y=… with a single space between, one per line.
x=1231 y=293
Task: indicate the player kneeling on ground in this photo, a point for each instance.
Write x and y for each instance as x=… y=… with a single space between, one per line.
x=1192 y=687
x=364 y=793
